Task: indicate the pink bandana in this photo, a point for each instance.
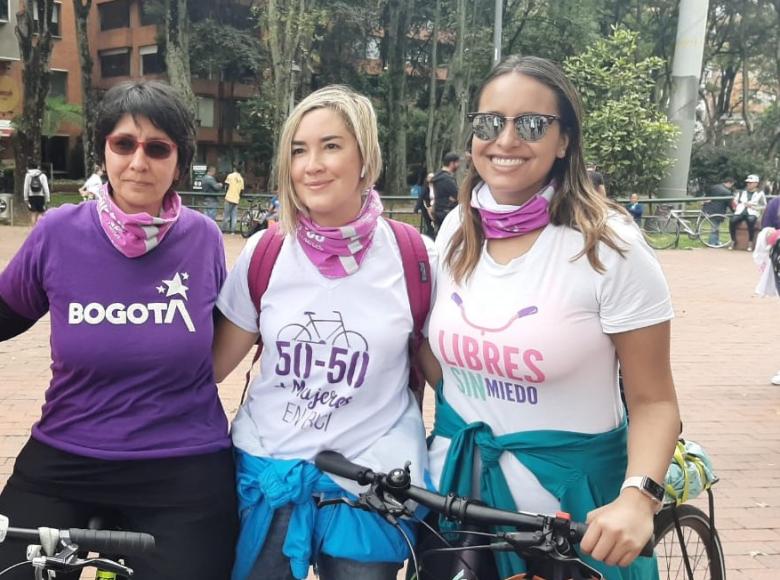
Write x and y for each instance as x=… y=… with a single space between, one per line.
x=508 y=221
x=338 y=252
x=136 y=234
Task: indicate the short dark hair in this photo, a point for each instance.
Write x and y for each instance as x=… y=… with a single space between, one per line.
x=157 y=101
x=450 y=158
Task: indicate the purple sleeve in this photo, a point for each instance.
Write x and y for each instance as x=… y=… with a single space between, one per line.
x=21 y=283
x=772 y=214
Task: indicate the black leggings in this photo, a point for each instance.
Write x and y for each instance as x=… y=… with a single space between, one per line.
x=751 y=224
x=187 y=503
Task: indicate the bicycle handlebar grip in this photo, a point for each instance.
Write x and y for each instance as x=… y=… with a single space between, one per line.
x=578 y=531
x=112 y=541
x=335 y=463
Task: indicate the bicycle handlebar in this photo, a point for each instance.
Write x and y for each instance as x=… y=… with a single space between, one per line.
x=106 y=541
x=396 y=482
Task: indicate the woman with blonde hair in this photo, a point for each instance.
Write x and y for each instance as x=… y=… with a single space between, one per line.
x=545 y=288
x=331 y=375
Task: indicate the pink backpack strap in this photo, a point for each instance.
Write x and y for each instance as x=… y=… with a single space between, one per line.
x=260 y=268
x=417 y=273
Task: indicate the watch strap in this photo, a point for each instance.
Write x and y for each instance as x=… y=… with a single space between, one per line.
x=646 y=485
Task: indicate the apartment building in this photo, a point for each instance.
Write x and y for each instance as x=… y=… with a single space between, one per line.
x=61 y=149
x=125 y=37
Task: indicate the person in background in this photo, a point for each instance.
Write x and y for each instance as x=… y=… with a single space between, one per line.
x=211 y=185
x=36 y=193
x=92 y=185
x=596 y=178
x=635 y=209
x=132 y=428
x=423 y=207
x=717 y=207
x=445 y=188
x=771 y=217
x=235 y=186
x=748 y=205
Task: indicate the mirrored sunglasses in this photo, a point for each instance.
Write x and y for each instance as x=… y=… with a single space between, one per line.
x=528 y=127
x=153 y=148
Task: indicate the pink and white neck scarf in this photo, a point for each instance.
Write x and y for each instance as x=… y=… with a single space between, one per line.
x=338 y=251
x=508 y=221
x=136 y=234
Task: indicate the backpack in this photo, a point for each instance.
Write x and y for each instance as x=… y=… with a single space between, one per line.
x=35 y=183
x=417 y=273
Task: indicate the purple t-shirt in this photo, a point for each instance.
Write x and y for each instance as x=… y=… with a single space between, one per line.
x=132 y=376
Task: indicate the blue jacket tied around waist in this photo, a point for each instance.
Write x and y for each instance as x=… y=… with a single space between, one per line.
x=583 y=471
x=265 y=485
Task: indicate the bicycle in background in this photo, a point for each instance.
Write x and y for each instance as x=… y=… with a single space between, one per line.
x=663 y=230
x=53 y=551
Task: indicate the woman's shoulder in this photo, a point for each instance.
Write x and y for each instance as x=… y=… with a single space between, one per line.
x=68 y=215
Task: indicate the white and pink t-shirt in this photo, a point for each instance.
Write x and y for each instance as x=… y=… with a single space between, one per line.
x=525 y=346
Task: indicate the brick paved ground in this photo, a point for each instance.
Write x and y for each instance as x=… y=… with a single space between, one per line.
x=724 y=351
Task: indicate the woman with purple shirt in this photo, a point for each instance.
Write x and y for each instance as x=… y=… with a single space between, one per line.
x=132 y=427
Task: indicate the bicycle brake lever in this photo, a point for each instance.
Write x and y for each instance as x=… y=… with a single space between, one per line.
x=109 y=566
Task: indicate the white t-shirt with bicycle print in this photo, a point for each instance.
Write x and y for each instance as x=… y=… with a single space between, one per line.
x=526 y=346
x=334 y=370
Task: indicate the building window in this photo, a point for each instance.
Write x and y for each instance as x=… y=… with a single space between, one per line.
x=150 y=15
x=152 y=62
x=206 y=111
x=114 y=14
x=4 y=10
x=58 y=85
x=115 y=63
x=55 y=17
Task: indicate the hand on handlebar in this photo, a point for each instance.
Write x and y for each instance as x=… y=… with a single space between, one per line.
x=618 y=531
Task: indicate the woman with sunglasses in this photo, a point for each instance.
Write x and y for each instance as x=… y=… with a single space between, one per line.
x=545 y=288
x=132 y=429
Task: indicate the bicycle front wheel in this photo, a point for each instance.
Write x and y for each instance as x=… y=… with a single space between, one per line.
x=702 y=545
x=709 y=231
x=661 y=232
x=246 y=223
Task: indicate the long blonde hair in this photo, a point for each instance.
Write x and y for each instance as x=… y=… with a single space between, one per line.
x=576 y=204
x=358 y=115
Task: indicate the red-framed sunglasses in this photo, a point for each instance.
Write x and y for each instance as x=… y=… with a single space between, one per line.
x=123 y=144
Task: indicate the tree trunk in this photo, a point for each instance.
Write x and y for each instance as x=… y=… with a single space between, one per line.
x=35 y=46
x=431 y=161
x=177 y=51
x=81 y=10
x=398 y=16
x=459 y=80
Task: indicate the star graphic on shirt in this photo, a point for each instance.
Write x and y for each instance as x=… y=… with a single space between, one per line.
x=175 y=287
x=185 y=276
x=161 y=289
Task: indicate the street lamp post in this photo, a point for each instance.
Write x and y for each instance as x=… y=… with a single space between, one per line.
x=497 y=31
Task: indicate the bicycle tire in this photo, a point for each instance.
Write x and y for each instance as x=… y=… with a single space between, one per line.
x=661 y=232
x=708 y=224
x=295 y=332
x=245 y=223
x=705 y=552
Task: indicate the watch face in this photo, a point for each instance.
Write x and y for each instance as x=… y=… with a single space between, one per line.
x=653 y=488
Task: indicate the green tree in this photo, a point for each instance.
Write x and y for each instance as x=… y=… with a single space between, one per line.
x=624 y=131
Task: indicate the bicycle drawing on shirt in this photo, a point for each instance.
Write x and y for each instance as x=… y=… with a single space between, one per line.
x=315 y=331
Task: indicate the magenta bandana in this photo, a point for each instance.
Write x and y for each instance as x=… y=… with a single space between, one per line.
x=338 y=252
x=136 y=234
x=508 y=221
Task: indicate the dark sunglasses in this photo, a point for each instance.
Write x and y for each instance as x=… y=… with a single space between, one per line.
x=528 y=127
x=153 y=148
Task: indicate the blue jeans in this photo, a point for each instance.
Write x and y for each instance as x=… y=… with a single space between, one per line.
x=229 y=216
x=210 y=207
x=273 y=564
x=715 y=233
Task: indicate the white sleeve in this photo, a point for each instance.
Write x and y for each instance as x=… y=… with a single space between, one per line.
x=632 y=293
x=433 y=259
x=45 y=183
x=234 y=300
x=26 y=187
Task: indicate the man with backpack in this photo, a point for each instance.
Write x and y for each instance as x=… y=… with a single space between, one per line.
x=36 y=193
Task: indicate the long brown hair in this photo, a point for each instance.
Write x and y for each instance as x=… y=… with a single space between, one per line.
x=577 y=204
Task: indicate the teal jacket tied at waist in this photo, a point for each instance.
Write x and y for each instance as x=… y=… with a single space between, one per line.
x=581 y=470
x=265 y=485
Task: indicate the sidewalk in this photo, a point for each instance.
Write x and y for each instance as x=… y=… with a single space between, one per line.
x=724 y=350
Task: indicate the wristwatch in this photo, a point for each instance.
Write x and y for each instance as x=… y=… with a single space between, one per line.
x=647 y=486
